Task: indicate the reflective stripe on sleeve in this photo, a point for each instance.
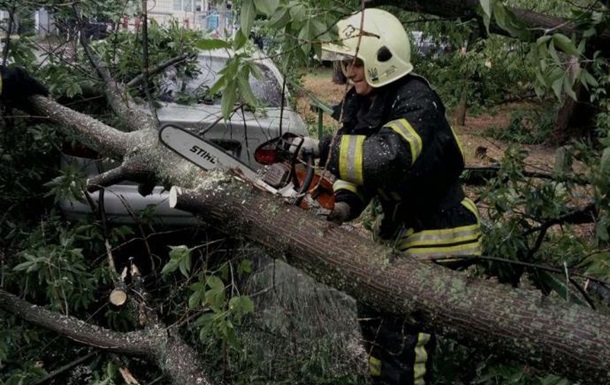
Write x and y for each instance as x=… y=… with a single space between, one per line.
x=341 y=184
x=350 y=158
x=403 y=128
x=374 y=366
x=0 y=85
x=421 y=358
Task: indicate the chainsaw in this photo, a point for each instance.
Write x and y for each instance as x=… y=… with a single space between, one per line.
x=283 y=174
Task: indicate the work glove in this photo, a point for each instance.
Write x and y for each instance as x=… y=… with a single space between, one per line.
x=340 y=214
x=306 y=146
x=17 y=86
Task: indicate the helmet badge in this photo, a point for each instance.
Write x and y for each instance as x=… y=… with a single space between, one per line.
x=373 y=74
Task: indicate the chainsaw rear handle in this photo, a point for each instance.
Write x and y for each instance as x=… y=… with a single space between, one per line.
x=302 y=190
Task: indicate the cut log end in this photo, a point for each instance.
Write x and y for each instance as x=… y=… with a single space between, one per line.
x=173 y=196
x=118 y=297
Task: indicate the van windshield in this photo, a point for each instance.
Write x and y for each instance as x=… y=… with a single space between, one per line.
x=194 y=88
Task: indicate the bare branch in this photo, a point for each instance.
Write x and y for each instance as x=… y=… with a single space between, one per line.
x=158 y=69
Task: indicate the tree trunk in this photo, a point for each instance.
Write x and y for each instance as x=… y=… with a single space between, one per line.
x=569 y=340
x=338 y=75
x=516 y=324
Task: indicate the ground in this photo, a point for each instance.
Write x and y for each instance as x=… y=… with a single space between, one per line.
x=541 y=157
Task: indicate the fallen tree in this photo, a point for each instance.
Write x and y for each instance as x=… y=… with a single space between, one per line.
x=523 y=326
x=516 y=324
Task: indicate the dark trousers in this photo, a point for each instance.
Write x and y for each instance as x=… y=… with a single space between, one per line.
x=398 y=353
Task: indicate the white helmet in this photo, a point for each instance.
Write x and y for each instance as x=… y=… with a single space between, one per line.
x=382 y=45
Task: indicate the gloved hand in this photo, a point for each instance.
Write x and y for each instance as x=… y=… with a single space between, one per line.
x=340 y=214
x=17 y=85
x=308 y=146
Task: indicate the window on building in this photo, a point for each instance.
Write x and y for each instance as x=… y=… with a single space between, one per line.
x=183 y=5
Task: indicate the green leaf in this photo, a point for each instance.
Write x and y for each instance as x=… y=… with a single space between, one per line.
x=245 y=90
x=557 y=86
x=210 y=44
x=305 y=39
x=170 y=267
x=229 y=98
x=588 y=79
x=558 y=284
x=255 y=70
x=28 y=265
x=245 y=267
x=241 y=306
x=280 y=18
x=185 y=265
x=215 y=298
x=565 y=44
x=554 y=55
x=213 y=282
x=239 y=41
x=568 y=88
x=298 y=13
x=248 y=12
x=266 y=6
x=543 y=39
x=196 y=298
x=486 y=7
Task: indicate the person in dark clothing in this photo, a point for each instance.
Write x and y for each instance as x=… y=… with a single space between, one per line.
x=16 y=86
x=397 y=148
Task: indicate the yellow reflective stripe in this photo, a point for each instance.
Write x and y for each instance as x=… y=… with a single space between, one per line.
x=459 y=143
x=341 y=184
x=350 y=158
x=467 y=249
x=443 y=236
x=421 y=358
x=345 y=185
x=466 y=202
x=374 y=366
x=403 y=128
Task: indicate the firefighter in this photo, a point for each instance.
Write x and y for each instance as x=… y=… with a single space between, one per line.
x=397 y=148
x=16 y=86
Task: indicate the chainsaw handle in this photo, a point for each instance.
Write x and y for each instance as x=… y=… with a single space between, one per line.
x=309 y=159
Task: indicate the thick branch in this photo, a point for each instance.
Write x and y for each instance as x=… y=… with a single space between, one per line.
x=100 y=137
x=136 y=343
x=117 y=95
x=513 y=323
x=172 y=355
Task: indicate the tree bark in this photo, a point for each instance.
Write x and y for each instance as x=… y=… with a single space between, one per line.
x=178 y=360
x=569 y=340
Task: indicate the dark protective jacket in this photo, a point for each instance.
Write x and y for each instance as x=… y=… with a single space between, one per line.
x=399 y=148
x=16 y=85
